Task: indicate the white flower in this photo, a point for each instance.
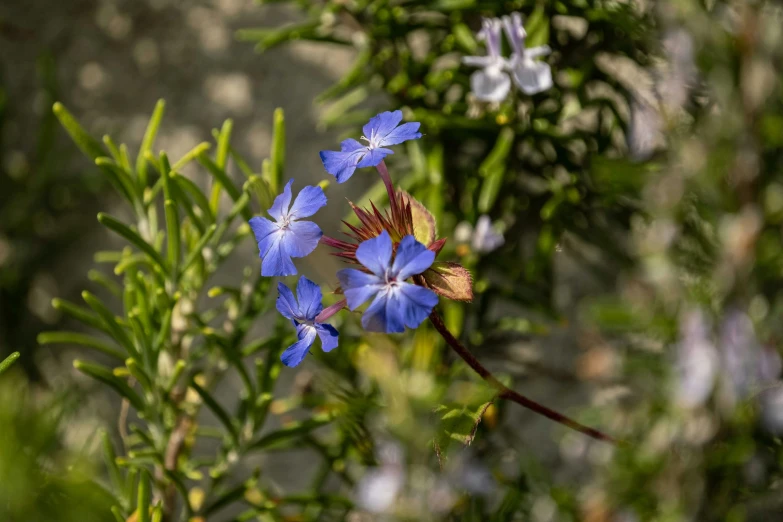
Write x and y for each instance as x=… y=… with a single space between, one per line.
x=697 y=361
x=485 y=238
x=531 y=76
x=491 y=83
x=379 y=487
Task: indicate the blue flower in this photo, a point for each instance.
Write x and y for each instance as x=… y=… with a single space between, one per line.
x=286 y=237
x=397 y=304
x=381 y=131
x=303 y=312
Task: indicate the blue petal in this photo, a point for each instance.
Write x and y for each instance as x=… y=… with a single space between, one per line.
x=309 y=296
x=405 y=132
x=307 y=203
x=373 y=157
x=297 y=351
x=376 y=253
x=286 y=304
x=416 y=303
x=381 y=125
x=412 y=258
x=342 y=164
x=358 y=286
x=384 y=315
x=282 y=202
x=328 y=335
x=301 y=238
x=277 y=262
x=266 y=233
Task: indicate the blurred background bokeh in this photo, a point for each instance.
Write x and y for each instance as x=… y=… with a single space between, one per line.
x=634 y=278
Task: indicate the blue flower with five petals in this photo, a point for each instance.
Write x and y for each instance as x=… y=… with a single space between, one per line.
x=381 y=131
x=287 y=237
x=397 y=304
x=303 y=312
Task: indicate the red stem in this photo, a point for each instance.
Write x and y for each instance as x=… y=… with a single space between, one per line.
x=384 y=172
x=507 y=393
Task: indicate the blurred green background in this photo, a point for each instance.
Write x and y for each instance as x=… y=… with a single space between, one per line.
x=638 y=287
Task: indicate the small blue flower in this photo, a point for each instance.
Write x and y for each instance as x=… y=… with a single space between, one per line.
x=381 y=131
x=303 y=311
x=286 y=237
x=397 y=304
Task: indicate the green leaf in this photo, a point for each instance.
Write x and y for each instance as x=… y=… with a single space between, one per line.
x=105 y=376
x=450 y=280
x=90 y=146
x=193 y=190
x=123 y=230
x=277 y=154
x=172 y=235
x=261 y=189
x=145 y=497
x=425 y=229
x=117 y=331
x=117 y=514
x=81 y=340
x=191 y=155
x=350 y=78
x=148 y=141
x=100 y=278
x=221 y=159
x=217 y=409
x=490 y=188
x=118 y=178
x=497 y=156
x=79 y=313
x=465 y=39
x=222 y=178
x=537 y=27
x=110 y=456
x=295 y=429
x=10 y=360
x=196 y=251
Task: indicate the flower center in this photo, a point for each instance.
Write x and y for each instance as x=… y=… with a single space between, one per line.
x=370 y=141
x=284 y=223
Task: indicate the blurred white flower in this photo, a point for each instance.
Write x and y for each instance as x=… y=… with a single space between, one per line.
x=531 y=76
x=467 y=473
x=379 y=487
x=771 y=401
x=491 y=83
x=740 y=356
x=483 y=239
x=676 y=80
x=697 y=361
x=644 y=131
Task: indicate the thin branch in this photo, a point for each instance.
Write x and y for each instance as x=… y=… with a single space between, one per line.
x=506 y=393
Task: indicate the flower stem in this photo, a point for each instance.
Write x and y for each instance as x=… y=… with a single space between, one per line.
x=384 y=172
x=507 y=393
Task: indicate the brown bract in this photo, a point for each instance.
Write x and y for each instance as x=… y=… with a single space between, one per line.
x=406 y=216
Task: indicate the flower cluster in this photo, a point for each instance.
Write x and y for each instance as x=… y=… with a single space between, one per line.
x=492 y=82
x=393 y=252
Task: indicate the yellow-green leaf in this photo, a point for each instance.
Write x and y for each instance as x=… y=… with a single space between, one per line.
x=425 y=229
x=450 y=280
